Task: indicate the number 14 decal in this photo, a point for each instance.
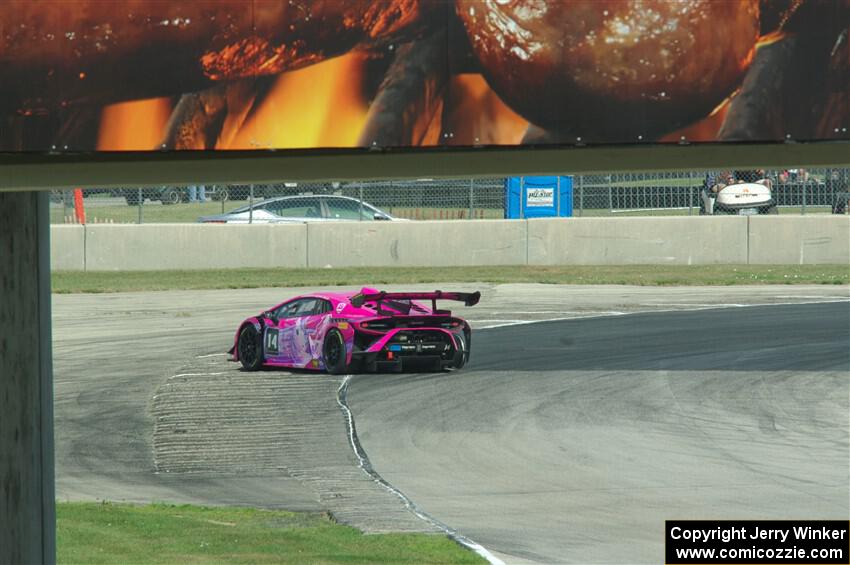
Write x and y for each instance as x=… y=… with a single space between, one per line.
x=271 y=341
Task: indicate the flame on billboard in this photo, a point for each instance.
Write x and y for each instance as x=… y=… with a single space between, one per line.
x=137 y=125
x=317 y=106
x=477 y=116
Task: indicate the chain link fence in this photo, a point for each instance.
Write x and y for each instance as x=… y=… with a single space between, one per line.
x=677 y=193
x=795 y=191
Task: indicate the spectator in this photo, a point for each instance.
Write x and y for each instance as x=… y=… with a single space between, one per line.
x=836 y=180
x=762 y=178
x=793 y=175
x=717 y=182
x=197 y=193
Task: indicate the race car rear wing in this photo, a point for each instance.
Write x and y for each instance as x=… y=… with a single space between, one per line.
x=468 y=298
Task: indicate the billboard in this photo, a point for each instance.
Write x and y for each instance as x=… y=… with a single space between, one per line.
x=160 y=75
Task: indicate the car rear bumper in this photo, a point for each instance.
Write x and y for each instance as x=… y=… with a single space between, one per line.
x=378 y=361
x=433 y=347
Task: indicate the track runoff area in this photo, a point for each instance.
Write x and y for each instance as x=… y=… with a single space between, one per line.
x=587 y=423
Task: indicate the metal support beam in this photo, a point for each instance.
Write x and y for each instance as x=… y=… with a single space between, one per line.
x=24 y=171
x=27 y=500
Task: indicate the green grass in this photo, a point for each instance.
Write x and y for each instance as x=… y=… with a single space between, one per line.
x=597 y=212
x=695 y=181
x=152 y=212
x=431 y=213
x=121 y=533
x=645 y=275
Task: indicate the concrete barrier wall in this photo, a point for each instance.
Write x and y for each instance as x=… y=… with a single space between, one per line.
x=112 y=247
x=801 y=240
x=68 y=248
x=432 y=243
x=574 y=241
x=627 y=241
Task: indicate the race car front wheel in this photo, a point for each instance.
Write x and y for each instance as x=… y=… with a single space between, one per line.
x=250 y=352
x=333 y=353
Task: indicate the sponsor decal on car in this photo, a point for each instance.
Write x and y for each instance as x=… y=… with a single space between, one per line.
x=272 y=340
x=418 y=347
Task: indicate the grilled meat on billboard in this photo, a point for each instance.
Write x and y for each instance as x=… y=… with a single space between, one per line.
x=311 y=74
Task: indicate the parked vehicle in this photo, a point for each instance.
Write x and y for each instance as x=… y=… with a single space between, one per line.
x=169 y=194
x=356 y=331
x=302 y=208
x=745 y=196
x=164 y=194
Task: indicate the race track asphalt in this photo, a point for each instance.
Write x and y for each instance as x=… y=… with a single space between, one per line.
x=573 y=441
x=562 y=441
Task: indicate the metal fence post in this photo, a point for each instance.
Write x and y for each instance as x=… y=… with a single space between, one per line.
x=558 y=197
x=360 y=197
x=471 y=189
x=580 y=195
x=690 y=193
x=251 y=204
x=803 y=211
x=139 y=204
x=522 y=198
x=66 y=204
x=610 y=197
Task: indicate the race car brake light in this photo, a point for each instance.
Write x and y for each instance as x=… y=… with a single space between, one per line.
x=377 y=325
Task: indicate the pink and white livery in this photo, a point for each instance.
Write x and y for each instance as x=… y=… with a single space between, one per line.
x=357 y=331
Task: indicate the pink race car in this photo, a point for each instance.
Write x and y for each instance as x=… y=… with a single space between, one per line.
x=364 y=331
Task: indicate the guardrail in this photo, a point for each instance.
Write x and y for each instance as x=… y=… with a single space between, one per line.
x=572 y=241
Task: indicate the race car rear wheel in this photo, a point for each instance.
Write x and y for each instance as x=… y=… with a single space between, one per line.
x=333 y=353
x=248 y=346
x=462 y=353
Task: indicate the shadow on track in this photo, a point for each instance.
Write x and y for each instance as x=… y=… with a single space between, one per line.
x=812 y=337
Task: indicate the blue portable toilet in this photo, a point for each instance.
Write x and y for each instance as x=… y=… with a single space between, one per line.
x=538 y=197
